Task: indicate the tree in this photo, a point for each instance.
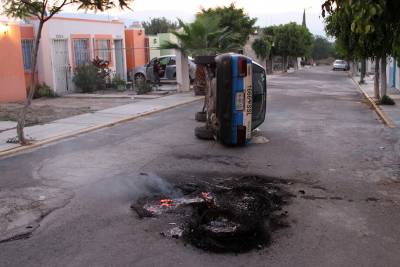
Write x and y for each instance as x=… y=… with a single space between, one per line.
x=43 y=11
x=351 y=44
x=204 y=37
x=375 y=26
x=235 y=19
x=291 y=40
x=159 y=25
x=322 y=48
x=262 y=47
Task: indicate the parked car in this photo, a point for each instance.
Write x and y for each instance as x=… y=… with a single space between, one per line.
x=340 y=65
x=168 y=69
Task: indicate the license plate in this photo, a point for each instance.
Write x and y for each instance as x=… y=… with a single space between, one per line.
x=239 y=102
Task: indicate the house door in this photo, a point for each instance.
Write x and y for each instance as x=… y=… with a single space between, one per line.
x=119 y=59
x=61 y=67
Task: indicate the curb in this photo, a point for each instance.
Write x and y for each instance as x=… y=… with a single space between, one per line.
x=100 y=97
x=381 y=114
x=11 y=151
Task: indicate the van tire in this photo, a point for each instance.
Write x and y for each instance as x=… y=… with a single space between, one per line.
x=201 y=116
x=204 y=133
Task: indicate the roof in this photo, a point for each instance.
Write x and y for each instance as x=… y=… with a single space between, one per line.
x=98 y=19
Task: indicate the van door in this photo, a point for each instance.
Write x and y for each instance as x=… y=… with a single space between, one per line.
x=164 y=61
x=170 y=70
x=149 y=70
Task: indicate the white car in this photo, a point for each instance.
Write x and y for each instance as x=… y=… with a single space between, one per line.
x=340 y=65
x=168 y=66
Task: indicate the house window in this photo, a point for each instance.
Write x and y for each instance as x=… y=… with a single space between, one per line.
x=27 y=47
x=81 y=51
x=103 y=49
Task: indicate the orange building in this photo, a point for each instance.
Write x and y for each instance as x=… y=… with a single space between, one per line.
x=15 y=49
x=16 y=44
x=137 y=52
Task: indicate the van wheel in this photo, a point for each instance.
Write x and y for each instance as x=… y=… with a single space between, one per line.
x=201 y=116
x=204 y=133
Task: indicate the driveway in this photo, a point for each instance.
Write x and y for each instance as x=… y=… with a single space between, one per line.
x=342 y=164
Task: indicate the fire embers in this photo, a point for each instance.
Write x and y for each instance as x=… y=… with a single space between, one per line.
x=157 y=205
x=237 y=222
x=166 y=203
x=234 y=217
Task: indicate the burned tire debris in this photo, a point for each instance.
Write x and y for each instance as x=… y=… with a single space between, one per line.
x=234 y=216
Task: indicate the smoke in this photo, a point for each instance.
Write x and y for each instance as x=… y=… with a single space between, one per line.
x=131 y=188
x=154 y=184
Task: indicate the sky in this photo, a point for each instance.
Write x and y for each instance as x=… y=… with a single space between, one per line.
x=267 y=12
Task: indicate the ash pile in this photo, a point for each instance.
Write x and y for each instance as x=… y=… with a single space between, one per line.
x=233 y=215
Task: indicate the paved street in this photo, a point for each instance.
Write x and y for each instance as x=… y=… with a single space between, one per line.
x=322 y=137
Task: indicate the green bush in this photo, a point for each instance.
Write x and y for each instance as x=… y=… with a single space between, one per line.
x=386 y=100
x=143 y=87
x=43 y=90
x=118 y=83
x=88 y=78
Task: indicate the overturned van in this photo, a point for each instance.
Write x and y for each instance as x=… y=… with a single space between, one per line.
x=236 y=99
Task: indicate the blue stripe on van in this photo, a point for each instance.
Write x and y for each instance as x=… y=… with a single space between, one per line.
x=235 y=88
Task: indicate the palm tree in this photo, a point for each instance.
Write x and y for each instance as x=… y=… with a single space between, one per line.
x=203 y=37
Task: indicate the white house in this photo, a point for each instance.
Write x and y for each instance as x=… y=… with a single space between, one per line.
x=69 y=42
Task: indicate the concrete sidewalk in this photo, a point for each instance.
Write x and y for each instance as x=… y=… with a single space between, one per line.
x=392 y=112
x=63 y=128
x=7 y=125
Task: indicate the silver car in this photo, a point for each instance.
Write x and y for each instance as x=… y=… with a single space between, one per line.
x=168 y=66
x=340 y=65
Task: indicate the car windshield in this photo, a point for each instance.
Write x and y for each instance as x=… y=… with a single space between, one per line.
x=339 y=62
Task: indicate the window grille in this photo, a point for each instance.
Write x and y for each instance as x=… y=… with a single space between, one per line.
x=27 y=48
x=104 y=49
x=81 y=51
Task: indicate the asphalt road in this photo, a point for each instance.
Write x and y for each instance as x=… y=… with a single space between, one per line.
x=322 y=137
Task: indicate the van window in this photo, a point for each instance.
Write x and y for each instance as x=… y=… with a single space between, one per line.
x=259 y=95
